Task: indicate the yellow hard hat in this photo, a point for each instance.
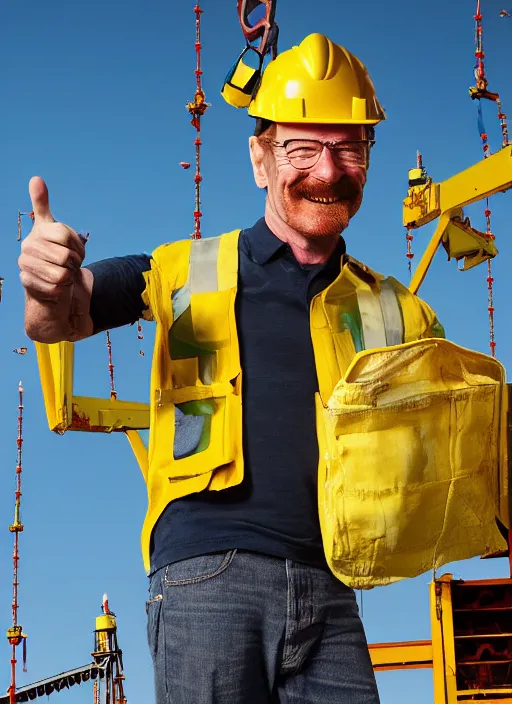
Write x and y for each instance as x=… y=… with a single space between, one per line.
x=317 y=82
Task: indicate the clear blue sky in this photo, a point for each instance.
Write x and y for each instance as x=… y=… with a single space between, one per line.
x=93 y=99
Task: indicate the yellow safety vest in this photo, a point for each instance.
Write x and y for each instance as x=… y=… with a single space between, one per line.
x=384 y=501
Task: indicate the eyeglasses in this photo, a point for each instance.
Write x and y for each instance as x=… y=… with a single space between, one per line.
x=305 y=153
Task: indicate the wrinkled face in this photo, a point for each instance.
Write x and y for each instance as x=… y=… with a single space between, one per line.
x=317 y=201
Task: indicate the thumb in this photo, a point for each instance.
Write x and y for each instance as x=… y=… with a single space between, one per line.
x=39 y=197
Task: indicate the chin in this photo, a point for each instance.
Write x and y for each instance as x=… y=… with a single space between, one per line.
x=314 y=220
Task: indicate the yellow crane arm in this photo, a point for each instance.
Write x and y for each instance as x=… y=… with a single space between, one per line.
x=428 y=201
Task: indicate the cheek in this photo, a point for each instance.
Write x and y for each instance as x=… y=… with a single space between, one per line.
x=358 y=175
x=284 y=180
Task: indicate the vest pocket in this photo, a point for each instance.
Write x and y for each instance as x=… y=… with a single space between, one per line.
x=200 y=339
x=410 y=473
x=190 y=435
x=192 y=417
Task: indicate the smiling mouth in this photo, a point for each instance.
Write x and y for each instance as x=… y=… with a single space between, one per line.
x=323 y=201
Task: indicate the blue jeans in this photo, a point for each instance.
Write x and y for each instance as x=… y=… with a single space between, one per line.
x=242 y=628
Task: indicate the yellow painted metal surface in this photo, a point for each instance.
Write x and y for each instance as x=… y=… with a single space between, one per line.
x=485 y=178
x=407 y=655
x=474 y=692
x=445 y=200
x=443 y=644
x=140 y=451
x=105 y=622
x=466 y=618
x=56 y=372
x=68 y=412
x=108 y=415
x=421 y=205
x=464 y=243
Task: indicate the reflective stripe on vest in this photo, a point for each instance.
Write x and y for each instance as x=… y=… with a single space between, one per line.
x=202 y=278
x=202 y=273
x=381 y=317
x=393 y=321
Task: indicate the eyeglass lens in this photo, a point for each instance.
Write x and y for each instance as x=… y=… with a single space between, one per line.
x=303 y=154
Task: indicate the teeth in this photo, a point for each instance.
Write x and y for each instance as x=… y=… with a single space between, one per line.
x=326 y=201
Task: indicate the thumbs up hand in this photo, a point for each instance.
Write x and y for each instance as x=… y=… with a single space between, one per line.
x=52 y=254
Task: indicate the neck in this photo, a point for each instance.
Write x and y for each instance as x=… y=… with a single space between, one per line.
x=306 y=250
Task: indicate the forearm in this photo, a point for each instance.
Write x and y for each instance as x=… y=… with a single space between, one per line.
x=65 y=319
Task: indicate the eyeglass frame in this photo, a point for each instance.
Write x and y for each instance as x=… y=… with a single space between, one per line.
x=369 y=142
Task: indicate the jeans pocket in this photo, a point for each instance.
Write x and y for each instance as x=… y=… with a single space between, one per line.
x=153 y=600
x=198 y=569
x=154 y=613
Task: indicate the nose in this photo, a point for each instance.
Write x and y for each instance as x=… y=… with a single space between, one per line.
x=326 y=169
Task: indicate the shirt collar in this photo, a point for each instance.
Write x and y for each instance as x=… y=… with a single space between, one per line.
x=263 y=244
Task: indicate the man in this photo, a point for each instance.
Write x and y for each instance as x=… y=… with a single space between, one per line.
x=243 y=607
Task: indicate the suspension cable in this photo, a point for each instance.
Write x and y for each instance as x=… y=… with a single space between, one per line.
x=480 y=92
x=15 y=634
x=197 y=109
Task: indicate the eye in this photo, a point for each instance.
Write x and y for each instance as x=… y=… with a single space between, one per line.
x=302 y=152
x=350 y=151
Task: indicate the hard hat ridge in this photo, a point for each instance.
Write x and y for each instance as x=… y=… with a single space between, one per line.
x=317 y=81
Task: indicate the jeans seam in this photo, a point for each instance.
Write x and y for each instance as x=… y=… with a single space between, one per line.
x=289 y=656
x=228 y=559
x=158 y=637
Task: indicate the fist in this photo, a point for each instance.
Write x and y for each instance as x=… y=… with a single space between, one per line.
x=52 y=253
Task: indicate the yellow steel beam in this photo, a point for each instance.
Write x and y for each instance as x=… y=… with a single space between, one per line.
x=429 y=253
x=425 y=203
x=68 y=412
x=140 y=451
x=107 y=415
x=406 y=655
x=474 y=692
x=485 y=178
x=56 y=371
x=443 y=642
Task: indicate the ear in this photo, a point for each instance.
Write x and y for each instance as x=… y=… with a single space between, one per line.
x=257 y=152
